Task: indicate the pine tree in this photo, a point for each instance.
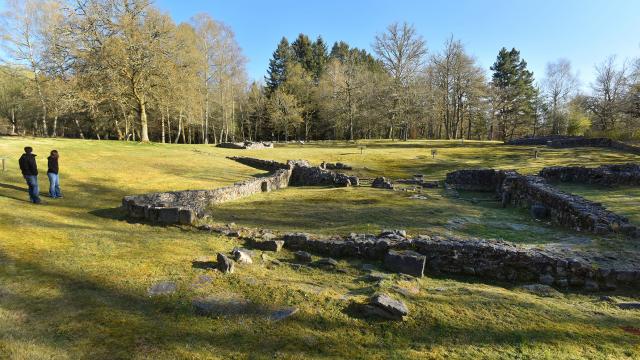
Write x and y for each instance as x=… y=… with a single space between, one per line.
x=303 y=51
x=515 y=93
x=319 y=59
x=340 y=51
x=277 y=72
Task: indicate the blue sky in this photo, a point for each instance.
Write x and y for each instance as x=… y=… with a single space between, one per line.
x=585 y=32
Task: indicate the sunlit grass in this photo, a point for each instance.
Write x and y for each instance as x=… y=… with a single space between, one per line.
x=74 y=275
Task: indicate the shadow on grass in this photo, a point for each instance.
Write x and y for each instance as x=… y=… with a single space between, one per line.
x=103 y=321
x=13 y=187
x=116 y=213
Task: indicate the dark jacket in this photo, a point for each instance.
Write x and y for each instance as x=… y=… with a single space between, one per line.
x=28 y=164
x=52 y=164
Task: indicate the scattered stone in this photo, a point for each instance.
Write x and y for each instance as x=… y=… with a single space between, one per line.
x=541 y=290
x=268 y=236
x=606 y=298
x=242 y=256
x=269 y=245
x=202 y=280
x=629 y=306
x=405 y=262
x=225 y=265
x=283 y=313
x=387 y=307
x=271 y=261
x=327 y=262
x=378 y=276
x=233 y=233
x=205 y=227
x=382 y=183
x=162 y=288
x=337 y=166
x=386 y=233
x=302 y=256
x=367 y=267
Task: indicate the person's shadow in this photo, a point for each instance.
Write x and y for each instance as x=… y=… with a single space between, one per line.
x=13 y=187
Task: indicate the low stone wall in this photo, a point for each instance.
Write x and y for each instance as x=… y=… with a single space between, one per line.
x=537 y=140
x=561 y=142
x=476 y=179
x=571 y=142
x=246 y=145
x=605 y=175
x=487 y=259
x=266 y=165
x=569 y=210
x=305 y=175
x=184 y=207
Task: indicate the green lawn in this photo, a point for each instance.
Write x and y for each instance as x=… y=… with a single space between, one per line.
x=74 y=274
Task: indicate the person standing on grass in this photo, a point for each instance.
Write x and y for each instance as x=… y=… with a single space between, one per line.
x=52 y=173
x=29 y=170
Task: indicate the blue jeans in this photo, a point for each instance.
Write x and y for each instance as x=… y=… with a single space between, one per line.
x=34 y=191
x=54 y=185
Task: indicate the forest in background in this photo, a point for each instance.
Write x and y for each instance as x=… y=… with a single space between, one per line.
x=122 y=69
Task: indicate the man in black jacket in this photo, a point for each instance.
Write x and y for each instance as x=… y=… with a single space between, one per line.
x=29 y=170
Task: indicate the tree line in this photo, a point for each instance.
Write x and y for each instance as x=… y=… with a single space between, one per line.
x=122 y=69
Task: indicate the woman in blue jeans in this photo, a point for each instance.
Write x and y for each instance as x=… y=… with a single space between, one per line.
x=52 y=173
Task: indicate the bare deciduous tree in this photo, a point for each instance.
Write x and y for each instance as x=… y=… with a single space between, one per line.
x=559 y=85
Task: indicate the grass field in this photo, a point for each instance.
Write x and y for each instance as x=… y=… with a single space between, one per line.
x=74 y=275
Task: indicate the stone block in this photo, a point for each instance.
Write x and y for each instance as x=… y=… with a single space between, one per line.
x=269 y=245
x=385 y=306
x=186 y=216
x=225 y=264
x=405 y=262
x=169 y=215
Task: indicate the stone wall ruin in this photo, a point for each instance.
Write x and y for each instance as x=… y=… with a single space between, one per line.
x=605 y=175
x=562 y=142
x=568 y=210
x=250 y=145
x=489 y=259
x=184 y=207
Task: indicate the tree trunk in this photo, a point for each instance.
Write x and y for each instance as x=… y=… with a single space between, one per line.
x=179 y=127
x=144 y=127
x=117 y=126
x=55 y=125
x=162 y=122
x=79 y=128
x=13 y=121
x=206 y=118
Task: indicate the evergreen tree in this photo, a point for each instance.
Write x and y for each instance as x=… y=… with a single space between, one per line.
x=340 y=51
x=277 y=72
x=515 y=93
x=303 y=51
x=319 y=59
